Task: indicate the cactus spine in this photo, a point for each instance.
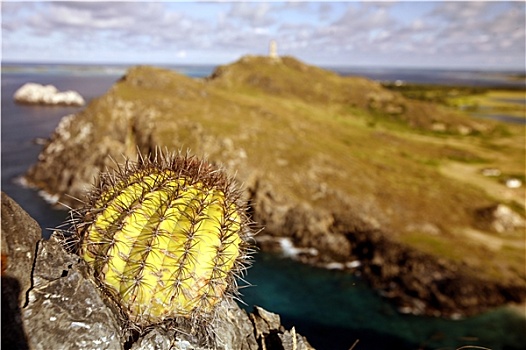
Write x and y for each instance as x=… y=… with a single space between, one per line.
x=165 y=238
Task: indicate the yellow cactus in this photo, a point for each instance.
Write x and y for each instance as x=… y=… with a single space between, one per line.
x=165 y=237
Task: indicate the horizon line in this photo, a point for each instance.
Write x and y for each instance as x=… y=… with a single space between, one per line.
x=7 y=62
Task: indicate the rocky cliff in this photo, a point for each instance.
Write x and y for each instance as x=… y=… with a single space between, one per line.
x=345 y=169
x=50 y=302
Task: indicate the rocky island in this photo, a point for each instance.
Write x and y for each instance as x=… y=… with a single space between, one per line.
x=352 y=175
x=37 y=94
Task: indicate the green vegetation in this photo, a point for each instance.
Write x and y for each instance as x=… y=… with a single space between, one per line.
x=434 y=93
x=481 y=101
x=318 y=138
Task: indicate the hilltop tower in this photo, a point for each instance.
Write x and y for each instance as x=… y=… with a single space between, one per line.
x=273 y=50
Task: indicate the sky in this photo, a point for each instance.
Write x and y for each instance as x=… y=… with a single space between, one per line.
x=481 y=35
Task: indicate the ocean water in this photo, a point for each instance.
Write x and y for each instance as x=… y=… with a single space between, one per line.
x=438 y=76
x=332 y=309
x=23 y=124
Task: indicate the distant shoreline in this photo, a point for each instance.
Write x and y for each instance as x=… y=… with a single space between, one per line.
x=433 y=76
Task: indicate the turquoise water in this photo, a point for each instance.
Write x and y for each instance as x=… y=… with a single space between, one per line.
x=333 y=309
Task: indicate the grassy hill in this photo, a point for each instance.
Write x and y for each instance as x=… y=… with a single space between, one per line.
x=324 y=158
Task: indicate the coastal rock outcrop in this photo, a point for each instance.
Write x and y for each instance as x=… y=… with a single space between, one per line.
x=316 y=170
x=499 y=218
x=19 y=236
x=50 y=302
x=33 y=93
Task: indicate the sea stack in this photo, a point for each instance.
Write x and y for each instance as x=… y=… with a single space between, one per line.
x=32 y=93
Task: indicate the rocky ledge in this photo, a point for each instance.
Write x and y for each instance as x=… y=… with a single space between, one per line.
x=50 y=302
x=32 y=93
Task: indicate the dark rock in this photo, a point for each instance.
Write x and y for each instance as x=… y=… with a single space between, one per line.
x=290 y=340
x=65 y=309
x=312 y=228
x=271 y=334
x=13 y=334
x=423 y=284
x=264 y=322
x=233 y=328
x=20 y=234
x=155 y=340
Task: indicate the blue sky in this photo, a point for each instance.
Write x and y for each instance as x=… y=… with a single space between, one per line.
x=486 y=35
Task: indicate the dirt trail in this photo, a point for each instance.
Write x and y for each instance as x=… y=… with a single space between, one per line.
x=471 y=174
x=491 y=241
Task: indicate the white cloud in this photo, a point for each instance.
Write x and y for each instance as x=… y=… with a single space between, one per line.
x=345 y=32
x=254 y=14
x=486 y=28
